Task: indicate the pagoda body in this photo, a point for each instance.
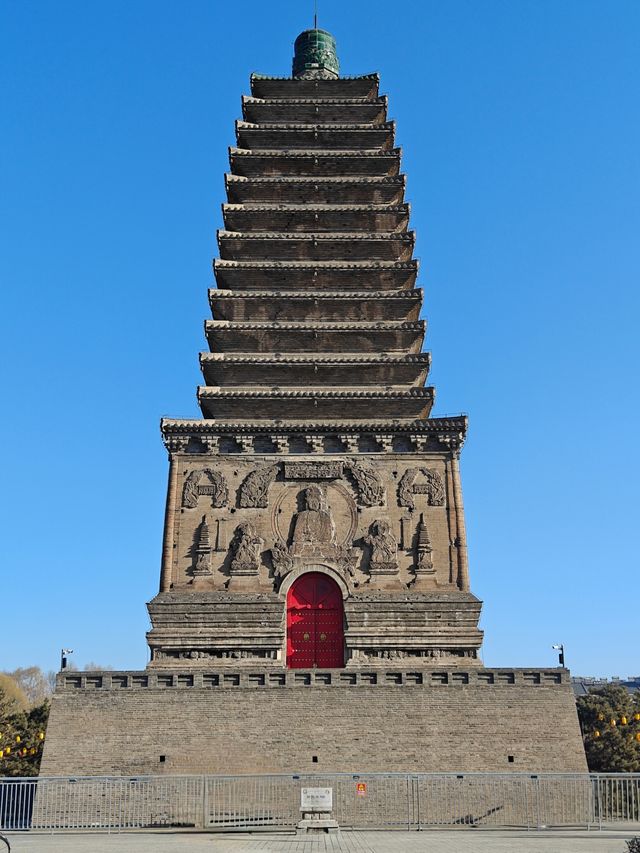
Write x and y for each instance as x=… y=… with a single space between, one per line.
x=315 y=376
x=314 y=534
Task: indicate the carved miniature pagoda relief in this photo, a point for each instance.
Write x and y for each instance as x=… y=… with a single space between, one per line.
x=202 y=551
x=425 y=574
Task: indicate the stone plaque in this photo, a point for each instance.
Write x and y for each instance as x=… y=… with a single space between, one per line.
x=312 y=470
x=316 y=799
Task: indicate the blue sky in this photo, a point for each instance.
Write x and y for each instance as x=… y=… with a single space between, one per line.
x=521 y=131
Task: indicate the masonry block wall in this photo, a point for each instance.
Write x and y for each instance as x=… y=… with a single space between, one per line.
x=237 y=722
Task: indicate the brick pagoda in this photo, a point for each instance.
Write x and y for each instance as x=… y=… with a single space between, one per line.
x=314 y=599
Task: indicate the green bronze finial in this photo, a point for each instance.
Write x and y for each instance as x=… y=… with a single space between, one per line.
x=315 y=56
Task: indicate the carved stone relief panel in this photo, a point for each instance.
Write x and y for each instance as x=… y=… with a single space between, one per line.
x=204 y=481
x=313 y=470
x=314 y=523
x=370 y=487
x=254 y=489
x=246 y=549
x=421 y=481
x=290 y=509
x=270 y=493
x=202 y=551
x=384 y=549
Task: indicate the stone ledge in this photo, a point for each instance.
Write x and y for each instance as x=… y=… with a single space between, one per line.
x=248 y=125
x=412 y=294
x=340 y=391
x=398 y=180
x=230 y=263
x=312 y=153
x=296 y=207
x=258 y=677
x=298 y=80
x=319 y=325
x=423 y=358
x=319 y=236
x=380 y=100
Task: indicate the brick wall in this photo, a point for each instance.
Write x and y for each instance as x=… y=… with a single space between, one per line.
x=263 y=721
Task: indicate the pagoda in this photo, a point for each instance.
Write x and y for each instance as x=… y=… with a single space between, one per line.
x=315 y=609
x=315 y=377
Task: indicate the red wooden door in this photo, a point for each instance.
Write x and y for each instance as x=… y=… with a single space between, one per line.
x=315 y=635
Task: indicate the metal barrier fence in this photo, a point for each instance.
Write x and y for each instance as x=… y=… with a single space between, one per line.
x=360 y=801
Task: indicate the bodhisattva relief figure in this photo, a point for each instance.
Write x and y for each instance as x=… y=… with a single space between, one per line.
x=384 y=549
x=314 y=527
x=246 y=559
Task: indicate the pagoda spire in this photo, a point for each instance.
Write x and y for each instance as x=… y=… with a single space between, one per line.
x=315 y=55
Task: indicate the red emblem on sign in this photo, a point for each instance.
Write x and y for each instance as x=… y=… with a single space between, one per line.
x=361 y=789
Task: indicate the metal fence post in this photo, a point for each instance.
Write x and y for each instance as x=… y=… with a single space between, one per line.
x=205 y=793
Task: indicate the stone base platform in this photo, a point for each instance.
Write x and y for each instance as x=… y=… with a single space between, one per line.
x=260 y=720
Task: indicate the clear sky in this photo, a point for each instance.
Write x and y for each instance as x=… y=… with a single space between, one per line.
x=520 y=125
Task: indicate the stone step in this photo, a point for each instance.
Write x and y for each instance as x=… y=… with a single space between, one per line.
x=314 y=162
x=328 y=136
x=296 y=275
x=364 y=86
x=314 y=336
x=295 y=403
x=316 y=217
x=315 y=305
x=236 y=245
x=313 y=110
x=314 y=370
x=299 y=190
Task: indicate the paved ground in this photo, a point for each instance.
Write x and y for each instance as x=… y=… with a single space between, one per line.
x=462 y=841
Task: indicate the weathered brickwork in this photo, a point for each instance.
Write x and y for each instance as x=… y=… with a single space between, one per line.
x=315 y=597
x=430 y=721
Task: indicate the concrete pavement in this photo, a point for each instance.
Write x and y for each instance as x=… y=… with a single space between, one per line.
x=436 y=841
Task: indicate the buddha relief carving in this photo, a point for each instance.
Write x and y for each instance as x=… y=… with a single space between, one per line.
x=314 y=526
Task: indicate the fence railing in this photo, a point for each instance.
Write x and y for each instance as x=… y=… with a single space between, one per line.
x=360 y=801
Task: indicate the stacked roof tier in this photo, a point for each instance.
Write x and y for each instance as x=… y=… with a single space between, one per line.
x=316 y=312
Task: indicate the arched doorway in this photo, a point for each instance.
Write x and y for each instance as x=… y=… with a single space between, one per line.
x=315 y=634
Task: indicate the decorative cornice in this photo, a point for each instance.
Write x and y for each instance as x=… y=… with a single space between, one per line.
x=413 y=294
x=311 y=358
x=313 y=153
x=319 y=326
x=379 y=100
x=338 y=128
x=224 y=263
x=306 y=179
x=216 y=392
x=434 y=427
x=318 y=236
x=276 y=437
x=374 y=76
x=267 y=207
